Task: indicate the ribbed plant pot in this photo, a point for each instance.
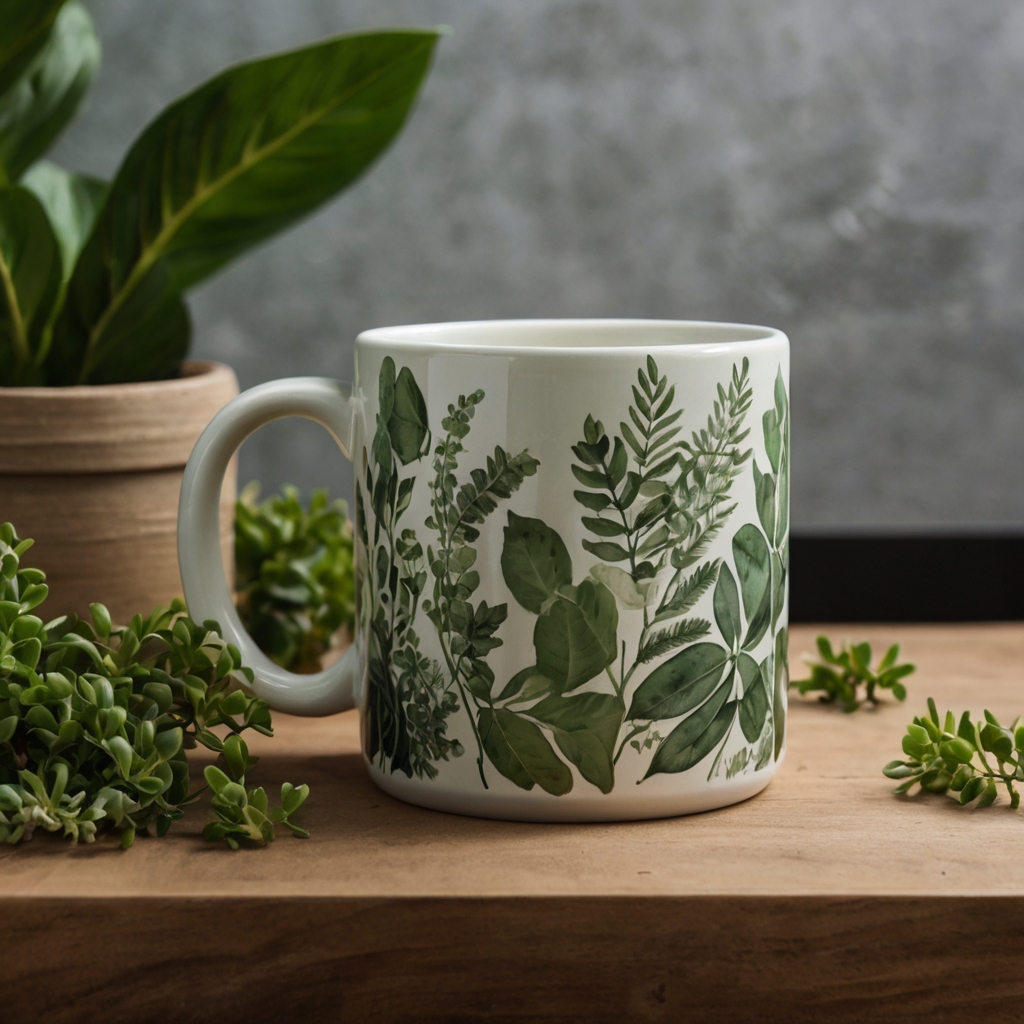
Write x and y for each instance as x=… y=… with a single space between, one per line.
x=93 y=474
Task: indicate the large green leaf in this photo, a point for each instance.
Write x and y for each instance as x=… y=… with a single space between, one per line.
x=386 y=389
x=72 y=203
x=39 y=105
x=781 y=688
x=527 y=684
x=576 y=639
x=521 y=752
x=764 y=491
x=407 y=424
x=534 y=562
x=29 y=282
x=24 y=29
x=772 y=429
x=753 y=566
x=585 y=727
x=244 y=156
x=726 y=604
x=754 y=703
x=695 y=737
x=779 y=570
x=683 y=682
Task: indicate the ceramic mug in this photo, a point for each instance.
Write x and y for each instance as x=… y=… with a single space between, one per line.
x=571 y=543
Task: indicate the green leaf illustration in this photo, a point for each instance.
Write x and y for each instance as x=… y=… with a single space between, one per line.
x=386 y=389
x=695 y=737
x=242 y=157
x=685 y=631
x=780 y=567
x=683 y=682
x=585 y=726
x=772 y=437
x=534 y=562
x=407 y=421
x=30 y=276
x=607 y=551
x=753 y=566
x=72 y=203
x=764 y=489
x=781 y=687
x=44 y=99
x=576 y=639
x=528 y=684
x=478 y=498
x=754 y=703
x=727 y=606
x=521 y=752
x=631 y=594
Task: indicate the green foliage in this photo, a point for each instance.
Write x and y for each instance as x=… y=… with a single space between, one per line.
x=944 y=756
x=294 y=574
x=409 y=700
x=746 y=606
x=838 y=677
x=96 y=721
x=237 y=160
x=518 y=749
x=35 y=109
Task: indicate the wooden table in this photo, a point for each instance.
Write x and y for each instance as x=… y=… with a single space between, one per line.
x=824 y=898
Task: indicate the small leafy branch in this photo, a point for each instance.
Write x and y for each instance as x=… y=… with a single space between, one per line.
x=677 y=518
x=294 y=574
x=946 y=757
x=467 y=633
x=408 y=703
x=96 y=721
x=838 y=677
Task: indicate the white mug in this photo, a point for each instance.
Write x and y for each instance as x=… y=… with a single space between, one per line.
x=571 y=562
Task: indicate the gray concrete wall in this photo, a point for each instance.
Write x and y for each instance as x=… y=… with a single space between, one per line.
x=851 y=171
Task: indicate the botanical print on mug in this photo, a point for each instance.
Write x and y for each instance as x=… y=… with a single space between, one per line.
x=651 y=502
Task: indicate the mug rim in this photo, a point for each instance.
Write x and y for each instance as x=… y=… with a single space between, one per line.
x=624 y=335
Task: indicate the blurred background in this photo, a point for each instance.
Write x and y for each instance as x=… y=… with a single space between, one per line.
x=850 y=171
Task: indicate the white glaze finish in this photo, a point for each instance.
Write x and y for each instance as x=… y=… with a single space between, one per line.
x=541 y=380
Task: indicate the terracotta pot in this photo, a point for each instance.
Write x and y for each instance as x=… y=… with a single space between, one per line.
x=93 y=474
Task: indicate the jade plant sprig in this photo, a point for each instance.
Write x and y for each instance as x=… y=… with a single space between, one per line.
x=968 y=760
x=839 y=676
x=294 y=583
x=96 y=720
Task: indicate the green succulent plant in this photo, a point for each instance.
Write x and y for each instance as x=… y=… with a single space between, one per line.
x=92 y=274
x=839 y=676
x=96 y=721
x=294 y=581
x=945 y=755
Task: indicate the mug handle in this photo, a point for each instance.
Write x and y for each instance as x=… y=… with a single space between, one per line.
x=327 y=402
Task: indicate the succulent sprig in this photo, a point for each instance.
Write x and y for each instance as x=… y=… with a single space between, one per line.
x=968 y=759
x=96 y=720
x=294 y=583
x=839 y=676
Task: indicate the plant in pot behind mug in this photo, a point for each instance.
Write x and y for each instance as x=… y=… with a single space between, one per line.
x=93 y=274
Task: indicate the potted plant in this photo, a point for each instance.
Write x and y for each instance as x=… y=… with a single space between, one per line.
x=99 y=407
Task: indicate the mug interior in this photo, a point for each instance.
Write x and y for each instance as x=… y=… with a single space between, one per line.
x=560 y=335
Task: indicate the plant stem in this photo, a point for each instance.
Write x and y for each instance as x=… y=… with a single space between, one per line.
x=19 y=339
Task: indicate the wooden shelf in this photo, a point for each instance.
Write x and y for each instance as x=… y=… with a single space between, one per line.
x=824 y=898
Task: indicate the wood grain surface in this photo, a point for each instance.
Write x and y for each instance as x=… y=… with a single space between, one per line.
x=824 y=898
